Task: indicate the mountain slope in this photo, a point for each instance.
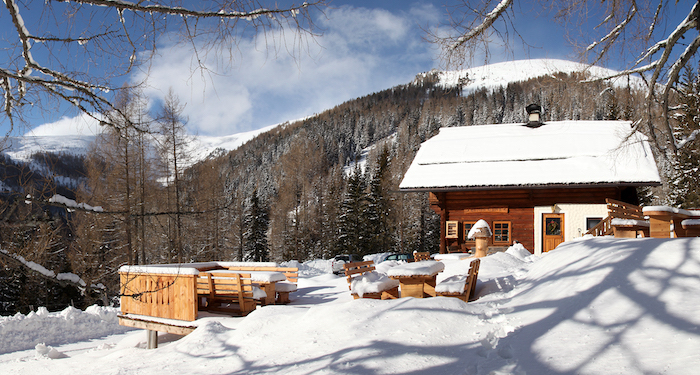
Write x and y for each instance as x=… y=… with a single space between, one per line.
x=483 y=77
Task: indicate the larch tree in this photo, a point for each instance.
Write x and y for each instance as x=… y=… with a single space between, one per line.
x=173 y=147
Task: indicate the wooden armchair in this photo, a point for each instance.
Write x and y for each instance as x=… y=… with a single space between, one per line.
x=365 y=282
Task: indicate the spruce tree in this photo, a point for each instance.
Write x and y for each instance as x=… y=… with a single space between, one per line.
x=686 y=180
x=352 y=225
x=379 y=206
x=257 y=223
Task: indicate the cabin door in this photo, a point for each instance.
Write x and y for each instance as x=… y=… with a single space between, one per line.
x=552 y=231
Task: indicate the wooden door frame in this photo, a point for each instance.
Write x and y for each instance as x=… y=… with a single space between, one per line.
x=544 y=229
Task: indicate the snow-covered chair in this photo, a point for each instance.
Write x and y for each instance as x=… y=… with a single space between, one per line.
x=365 y=282
x=460 y=286
x=283 y=288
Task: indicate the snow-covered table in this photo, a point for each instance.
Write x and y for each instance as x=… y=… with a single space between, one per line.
x=417 y=279
x=266 y=280
x=668 y=222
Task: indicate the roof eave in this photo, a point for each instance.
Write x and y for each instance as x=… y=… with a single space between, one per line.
x=447 y=189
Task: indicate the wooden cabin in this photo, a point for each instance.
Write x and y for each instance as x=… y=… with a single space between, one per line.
x=539 y=184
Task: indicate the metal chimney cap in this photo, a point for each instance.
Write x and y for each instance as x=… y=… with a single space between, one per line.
x=533 y=113
x=533 y=108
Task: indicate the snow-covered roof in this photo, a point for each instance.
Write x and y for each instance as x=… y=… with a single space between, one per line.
x=514 y=155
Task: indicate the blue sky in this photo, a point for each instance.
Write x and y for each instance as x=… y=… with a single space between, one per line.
x=366 y=46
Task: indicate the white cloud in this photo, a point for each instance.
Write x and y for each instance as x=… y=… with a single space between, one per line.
x=79 y=125
x=361 y=51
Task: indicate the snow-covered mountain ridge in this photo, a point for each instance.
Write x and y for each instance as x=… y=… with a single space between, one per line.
x=501 y=74
x=488 y=76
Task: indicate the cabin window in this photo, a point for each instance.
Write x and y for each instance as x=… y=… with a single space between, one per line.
x=467 y=227
x=501 y=231
x=592 y=222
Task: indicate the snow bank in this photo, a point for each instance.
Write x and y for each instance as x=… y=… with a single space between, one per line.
x=599 y=306
x=376 y=258
x=519 y=251
x=21 y=332
x=311 y=268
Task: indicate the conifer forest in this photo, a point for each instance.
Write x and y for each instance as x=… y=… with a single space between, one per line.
x=309 y=189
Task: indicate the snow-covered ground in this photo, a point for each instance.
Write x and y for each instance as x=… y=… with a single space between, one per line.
x=595 y=306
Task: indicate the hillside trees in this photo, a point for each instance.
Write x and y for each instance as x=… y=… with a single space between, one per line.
x=301 y=172
x=120 y=179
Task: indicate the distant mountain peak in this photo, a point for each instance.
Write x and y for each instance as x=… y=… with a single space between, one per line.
x=497 y=75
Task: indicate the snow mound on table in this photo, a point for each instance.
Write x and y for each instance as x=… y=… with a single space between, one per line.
x=22 y=332
x=371 y=282
x=426 y=267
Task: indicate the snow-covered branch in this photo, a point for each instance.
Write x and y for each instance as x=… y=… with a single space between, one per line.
x=488 y=21
x=63 y=279
x=108 y=45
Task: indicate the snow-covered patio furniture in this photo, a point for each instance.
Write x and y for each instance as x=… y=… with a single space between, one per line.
x=283 y=288
x=691 y=227
x=264 y=280
x=670 y=222
x=278 y=292
x=365 y=282
x=460 y=286
x=417 y=279
x=227 y=291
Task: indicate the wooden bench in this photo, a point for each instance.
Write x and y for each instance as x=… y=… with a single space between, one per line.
x=230 y=293
x=465 y=282
x=364 y=272
x=282 y=288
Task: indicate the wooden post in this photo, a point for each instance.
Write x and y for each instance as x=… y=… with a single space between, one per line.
x=482 y=246
x=481 y=232
x=152 y=339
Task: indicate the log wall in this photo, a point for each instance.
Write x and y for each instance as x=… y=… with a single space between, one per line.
x=514 y=205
